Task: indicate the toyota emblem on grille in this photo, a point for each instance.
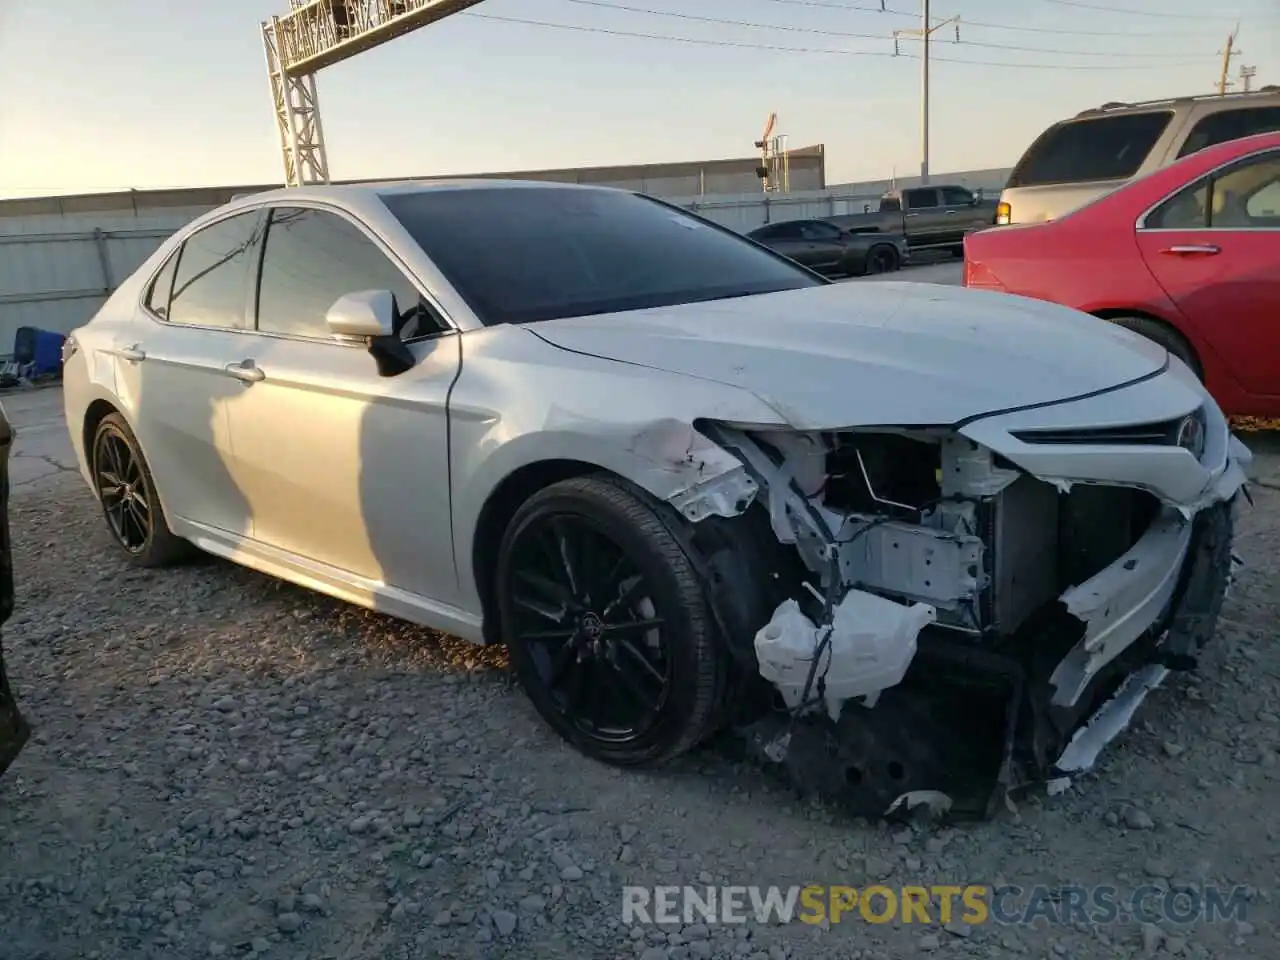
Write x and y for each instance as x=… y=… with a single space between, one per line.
x=1191 y=435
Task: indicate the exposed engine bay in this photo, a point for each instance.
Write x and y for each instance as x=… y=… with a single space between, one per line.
x=944 y=627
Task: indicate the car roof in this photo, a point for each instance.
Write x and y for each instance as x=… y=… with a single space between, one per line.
x=361 y=192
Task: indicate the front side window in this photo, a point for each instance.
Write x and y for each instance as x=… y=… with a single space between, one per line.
x=529 y=254
x=820 y=231
x=1245 y=196
x=956 y=197
x=1230 y=125
x=210 y=284
x=312 y=258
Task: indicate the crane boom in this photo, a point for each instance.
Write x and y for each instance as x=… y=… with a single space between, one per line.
x=315 y=34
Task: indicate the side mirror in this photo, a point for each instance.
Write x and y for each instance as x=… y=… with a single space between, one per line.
x=370 y=315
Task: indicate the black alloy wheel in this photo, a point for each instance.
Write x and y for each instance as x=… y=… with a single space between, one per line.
x=607 y=624
x=882 y=260
x=117 y=474
x=128 y=496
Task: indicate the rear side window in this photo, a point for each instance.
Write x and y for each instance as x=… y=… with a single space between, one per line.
x=819 y=231
x=782 y=231
x=1230 y=125
x=161 y=288
x=210 y=285
x=1080 y=151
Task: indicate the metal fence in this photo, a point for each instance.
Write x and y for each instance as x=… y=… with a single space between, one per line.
x=57 y=280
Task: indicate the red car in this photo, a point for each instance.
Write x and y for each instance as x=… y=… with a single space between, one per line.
x=1188 y=256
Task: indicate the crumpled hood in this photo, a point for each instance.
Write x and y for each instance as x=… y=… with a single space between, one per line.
x=856 y=354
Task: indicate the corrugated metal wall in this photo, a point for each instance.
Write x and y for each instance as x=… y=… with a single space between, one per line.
x=56 y=271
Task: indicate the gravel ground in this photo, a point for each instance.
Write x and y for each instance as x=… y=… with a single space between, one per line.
x=224 y=765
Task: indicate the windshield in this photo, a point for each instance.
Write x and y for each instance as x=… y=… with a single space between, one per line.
x=525 y=254
x=1079 y=151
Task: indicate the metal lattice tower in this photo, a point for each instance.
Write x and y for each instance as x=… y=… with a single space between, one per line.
x=315 y=34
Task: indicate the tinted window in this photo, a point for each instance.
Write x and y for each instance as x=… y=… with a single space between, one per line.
x=1103 y=148
x=161 y=287
x=524 y=254
x=819 y=231
x=921 y=199
x=1183 y=211
x=782 y=231
x=211 y=283
x=1230 y=125
x=312 y=258
x=956 y=197
x=890 y=205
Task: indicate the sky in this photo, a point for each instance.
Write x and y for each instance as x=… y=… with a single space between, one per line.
x=167 y=93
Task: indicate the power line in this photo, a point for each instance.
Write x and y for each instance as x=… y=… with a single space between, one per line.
x=603 y=4
x=775 y=48
x=1139 y=13
x=985 y=24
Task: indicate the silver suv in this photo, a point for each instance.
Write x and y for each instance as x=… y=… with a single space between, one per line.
x=1096 y=151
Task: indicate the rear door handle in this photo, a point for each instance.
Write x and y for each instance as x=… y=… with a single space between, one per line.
x=1206 y=249
x=245 y=371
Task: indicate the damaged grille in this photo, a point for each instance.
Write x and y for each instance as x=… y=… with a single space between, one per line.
x=948 y=524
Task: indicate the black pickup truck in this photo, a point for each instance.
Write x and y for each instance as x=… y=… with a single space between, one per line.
x=931 y=218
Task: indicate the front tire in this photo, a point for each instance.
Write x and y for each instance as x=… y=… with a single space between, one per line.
x=607 y=624
x=127 y=491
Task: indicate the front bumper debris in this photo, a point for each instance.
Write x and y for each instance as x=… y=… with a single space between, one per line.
x=969 y=725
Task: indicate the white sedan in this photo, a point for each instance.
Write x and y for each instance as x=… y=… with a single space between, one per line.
x=689 y=483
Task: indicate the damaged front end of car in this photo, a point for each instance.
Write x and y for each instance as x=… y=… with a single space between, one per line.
x=951 y=623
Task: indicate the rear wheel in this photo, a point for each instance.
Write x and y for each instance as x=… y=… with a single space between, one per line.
x=1167 y=337
x=129 y=500
x=882 y=259
x=607 y=624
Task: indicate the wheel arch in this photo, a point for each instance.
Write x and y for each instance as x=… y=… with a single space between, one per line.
x=1117 y=313
x=94 y=414
x=495 y=515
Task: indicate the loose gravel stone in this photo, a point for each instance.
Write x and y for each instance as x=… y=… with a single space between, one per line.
x=227 y=766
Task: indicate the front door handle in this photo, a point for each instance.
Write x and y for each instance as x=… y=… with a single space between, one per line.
x=1205 y=249
x=245 y=371
x=134 y=353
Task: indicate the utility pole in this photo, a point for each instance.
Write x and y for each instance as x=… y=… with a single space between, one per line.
x=1246 y=77
x=924 y=34
x=1228 y=52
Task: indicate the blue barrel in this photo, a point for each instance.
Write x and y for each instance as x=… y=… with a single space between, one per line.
x=42 y=348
